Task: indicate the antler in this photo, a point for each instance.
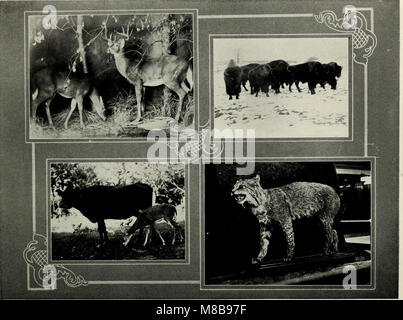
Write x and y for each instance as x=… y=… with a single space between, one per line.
x=126 y=33
x=106 y=36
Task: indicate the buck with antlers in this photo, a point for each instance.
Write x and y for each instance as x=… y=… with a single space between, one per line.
x=168 y=70
x=48 y=81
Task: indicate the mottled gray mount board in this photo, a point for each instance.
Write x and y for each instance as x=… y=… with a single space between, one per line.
x=374 y=106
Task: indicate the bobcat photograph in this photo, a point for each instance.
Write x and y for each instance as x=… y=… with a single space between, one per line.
x=287 y=223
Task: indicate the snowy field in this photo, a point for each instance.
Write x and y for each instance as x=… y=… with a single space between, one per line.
x=287 y=114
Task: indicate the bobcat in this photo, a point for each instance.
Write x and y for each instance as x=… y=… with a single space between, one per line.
x=285 y=204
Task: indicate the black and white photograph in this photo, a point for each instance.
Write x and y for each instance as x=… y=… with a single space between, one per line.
x=109 y=75
x=290 y=223
x=117 y=211
x=296 y=87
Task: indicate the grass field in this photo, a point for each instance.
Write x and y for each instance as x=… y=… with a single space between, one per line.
x=85 y=246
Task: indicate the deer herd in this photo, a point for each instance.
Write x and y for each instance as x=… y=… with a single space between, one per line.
x=172 y=71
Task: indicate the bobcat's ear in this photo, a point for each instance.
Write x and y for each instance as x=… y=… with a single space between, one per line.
x=257 y=178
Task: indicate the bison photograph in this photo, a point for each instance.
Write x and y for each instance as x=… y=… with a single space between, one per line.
x=117 y=211
x=109 y=75
x=282 y=92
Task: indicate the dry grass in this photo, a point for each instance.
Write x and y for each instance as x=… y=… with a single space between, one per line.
x=120 y=123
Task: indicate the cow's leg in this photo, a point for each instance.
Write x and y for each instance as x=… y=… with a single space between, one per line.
x=230 y=97
x=289 y=87
x=102 y=231
x=243 y=84
x=237 y=96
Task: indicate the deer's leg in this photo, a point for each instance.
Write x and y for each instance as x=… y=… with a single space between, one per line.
x=80 y=110
x=48 y=115
x=73 y=106
x=174 y=86
x=138 y=87
x=147 y=231
x=172 y=223
x=166 y=108
x=159 y=234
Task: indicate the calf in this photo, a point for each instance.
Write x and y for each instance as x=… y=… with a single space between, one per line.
x=98 y=203
x=331 y=71
x=147 y=219
x=280 y=74
x=245 y=73
x=311 y=72
x=232 y=78
x=259 y=79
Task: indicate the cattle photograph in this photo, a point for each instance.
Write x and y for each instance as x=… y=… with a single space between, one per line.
x=281 y=87
x=117 y=211
x=288 y=223
x=109 y=75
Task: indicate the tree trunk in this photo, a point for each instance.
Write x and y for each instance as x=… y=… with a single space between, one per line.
x=80 y=25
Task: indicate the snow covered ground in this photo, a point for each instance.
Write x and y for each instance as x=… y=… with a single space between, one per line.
x=284 y=115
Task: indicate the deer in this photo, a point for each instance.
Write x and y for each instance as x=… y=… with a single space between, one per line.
x=48 y=82
x=149 y=217
x=168 y=70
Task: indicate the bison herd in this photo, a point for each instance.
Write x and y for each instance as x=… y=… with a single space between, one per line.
x=278 y=73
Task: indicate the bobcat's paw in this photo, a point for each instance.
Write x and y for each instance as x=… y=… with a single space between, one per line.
x=256 y=261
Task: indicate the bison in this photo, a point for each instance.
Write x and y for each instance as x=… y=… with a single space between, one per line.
x=259 y=79
x=331 y=71
x=245 y=73
x=280 y=74
x=311 y=72
x=98 y=203
x=232 y=78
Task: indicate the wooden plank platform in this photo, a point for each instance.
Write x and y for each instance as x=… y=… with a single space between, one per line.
x=278 y=271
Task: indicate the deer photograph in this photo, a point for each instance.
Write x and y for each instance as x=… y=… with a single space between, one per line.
x=126 y=74
x=117 y=211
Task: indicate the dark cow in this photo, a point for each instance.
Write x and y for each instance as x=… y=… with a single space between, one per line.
x=280 y=74
x=232 y=78
x=331 y=71
x=245 y=73
x=311 y=72
x=107 y=202
x=147 y=219
x=259 y=79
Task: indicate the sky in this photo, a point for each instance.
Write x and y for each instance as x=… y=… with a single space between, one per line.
x=293 y=50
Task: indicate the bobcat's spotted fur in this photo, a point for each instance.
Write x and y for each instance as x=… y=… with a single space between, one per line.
x=285 y=204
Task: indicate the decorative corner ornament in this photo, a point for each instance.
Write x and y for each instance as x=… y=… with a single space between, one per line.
x=36 y=257
x=364 y=40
